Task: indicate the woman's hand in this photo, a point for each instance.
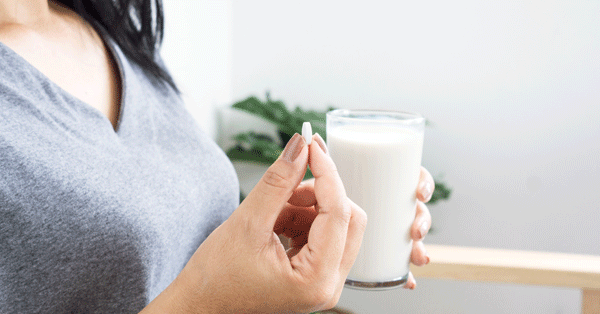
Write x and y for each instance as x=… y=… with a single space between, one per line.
x=242 y=267
x=304 y=196
x=421 y=224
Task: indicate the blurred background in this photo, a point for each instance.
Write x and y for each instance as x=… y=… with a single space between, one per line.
x=511 y=88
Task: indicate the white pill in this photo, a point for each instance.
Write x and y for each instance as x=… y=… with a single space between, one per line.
x=307 y=132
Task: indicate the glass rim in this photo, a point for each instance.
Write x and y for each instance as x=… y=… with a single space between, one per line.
x=362 y=115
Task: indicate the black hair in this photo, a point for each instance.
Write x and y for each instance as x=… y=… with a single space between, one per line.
x=136 y=26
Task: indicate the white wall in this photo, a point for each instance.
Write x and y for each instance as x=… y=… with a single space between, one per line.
x=197 y=51
x=513 y=90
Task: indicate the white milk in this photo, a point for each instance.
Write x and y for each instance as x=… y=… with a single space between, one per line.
x=379 y=166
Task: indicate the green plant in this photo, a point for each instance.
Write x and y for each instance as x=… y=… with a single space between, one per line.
x=264 y=149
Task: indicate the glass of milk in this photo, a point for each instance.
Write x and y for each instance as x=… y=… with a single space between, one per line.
x=378 y=157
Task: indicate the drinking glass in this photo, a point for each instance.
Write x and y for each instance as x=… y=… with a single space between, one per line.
x=378 y=157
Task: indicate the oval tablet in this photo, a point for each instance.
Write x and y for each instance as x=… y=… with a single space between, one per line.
x=307 y=132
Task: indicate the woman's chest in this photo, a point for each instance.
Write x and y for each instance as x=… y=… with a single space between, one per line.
x=81 y=215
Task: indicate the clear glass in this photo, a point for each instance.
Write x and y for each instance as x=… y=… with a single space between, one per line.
x=378 y=157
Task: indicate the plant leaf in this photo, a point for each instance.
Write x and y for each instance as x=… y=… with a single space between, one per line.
x=441 y=192
x=277 y=113
x=254 y=147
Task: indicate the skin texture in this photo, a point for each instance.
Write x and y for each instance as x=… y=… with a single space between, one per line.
x=242 y=266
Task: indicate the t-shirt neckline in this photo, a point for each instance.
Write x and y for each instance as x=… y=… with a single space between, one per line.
x=116 y=57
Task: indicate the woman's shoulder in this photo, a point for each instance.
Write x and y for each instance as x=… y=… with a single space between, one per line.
x=20 y=40
x=22 y=87
x=18 y=46
x=16 y=34
x=13 y=41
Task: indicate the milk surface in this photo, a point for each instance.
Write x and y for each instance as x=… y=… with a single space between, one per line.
x=379 y=166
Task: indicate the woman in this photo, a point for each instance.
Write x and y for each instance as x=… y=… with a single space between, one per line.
x=112 y=199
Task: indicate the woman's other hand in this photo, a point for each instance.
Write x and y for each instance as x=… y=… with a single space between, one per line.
x=421 y=224
x=242 y=267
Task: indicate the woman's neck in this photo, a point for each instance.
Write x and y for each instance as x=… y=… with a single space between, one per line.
x=31 y=13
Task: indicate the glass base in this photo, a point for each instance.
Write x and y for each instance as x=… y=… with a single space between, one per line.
x=376 y=286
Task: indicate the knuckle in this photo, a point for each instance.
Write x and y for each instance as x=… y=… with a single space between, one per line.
x=340 y=212
x=323 y=296
x=333 y=302
x=360 y=218
x=316 y=293
x=345 y=213
x=274 y=179
x=330 y=170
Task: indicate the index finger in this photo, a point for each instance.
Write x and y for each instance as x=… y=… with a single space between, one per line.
x=327 y=236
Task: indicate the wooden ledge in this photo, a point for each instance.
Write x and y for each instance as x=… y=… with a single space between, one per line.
x=511 y=266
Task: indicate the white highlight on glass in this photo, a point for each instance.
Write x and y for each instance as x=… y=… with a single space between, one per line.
x=307 y=132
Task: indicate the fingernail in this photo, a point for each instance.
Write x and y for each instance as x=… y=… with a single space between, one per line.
x=411 y=286
x=426 y=190
x=423 y=229
x=321 y=143
x=427 y=257
x=293 y=148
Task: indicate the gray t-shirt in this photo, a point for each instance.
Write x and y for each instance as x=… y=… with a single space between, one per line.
x=94 y=220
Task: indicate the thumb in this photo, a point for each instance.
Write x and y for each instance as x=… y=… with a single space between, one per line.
x=270 y=195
